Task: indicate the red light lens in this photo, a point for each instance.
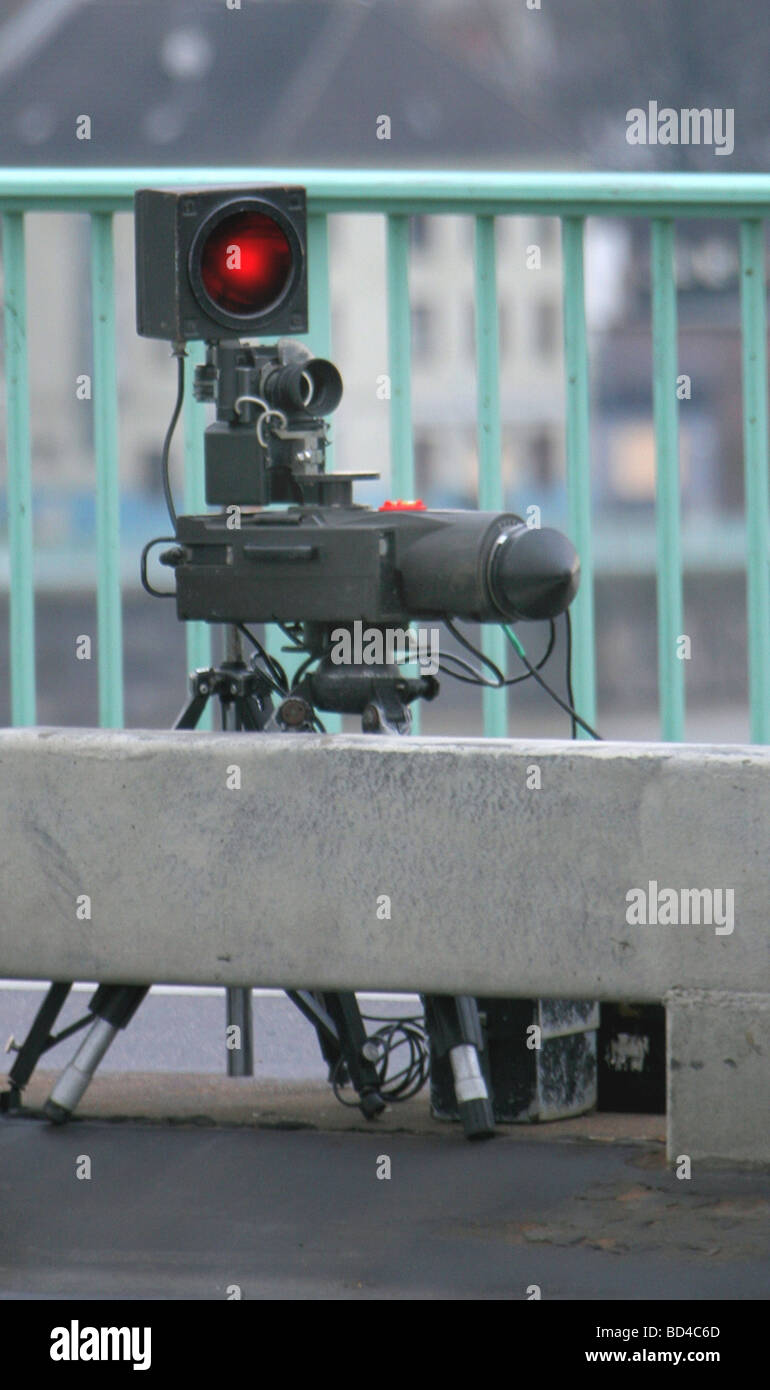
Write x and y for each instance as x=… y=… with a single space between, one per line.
x=245 y=263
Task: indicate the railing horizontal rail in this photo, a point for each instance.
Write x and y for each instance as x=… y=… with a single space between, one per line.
x=350 y=190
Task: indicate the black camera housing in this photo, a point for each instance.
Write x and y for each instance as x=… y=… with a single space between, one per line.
x=341 y=563
x=171 y=230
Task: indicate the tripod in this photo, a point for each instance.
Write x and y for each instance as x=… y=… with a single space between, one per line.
x=381 y=696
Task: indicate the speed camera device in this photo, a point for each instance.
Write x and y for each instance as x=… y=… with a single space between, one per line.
x=290 y=546
x=227 y=266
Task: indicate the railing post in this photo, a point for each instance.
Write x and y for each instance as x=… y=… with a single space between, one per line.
x=579 y=467
x=754 y=350
x=319 y=336
x=399 y=358
x=671 y=667
x=105 y=398
x=197 y=635
x=319 y=339
x=495 y=702
x=22 y=597
x=402 y=481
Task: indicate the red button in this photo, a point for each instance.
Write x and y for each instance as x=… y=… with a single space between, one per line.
x=400 y=505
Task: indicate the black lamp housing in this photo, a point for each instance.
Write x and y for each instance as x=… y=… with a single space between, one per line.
x=175 y=233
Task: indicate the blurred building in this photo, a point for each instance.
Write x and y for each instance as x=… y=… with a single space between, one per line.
x=293 y=84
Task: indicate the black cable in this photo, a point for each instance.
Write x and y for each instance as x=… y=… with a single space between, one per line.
x=274 y=666
x=291 y=632
x=314 y=656
x=464 y=642
x=388 y=1018
x=403 y=1084
x=397 y=1033
x=337 y=1083
x=516 y=680
x=300 y=671
x=569 y=709
x=477 y=678
x=474 y=678
x=179 y=353
x=570 y=696
x=275 y=673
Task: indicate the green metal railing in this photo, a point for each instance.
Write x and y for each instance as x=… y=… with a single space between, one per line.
x=572 y=198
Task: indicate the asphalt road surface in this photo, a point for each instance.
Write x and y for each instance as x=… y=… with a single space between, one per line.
x=190 y=1212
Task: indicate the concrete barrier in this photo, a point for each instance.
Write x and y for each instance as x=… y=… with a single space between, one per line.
x=718 y=1066
x=474 y=865
x=495 y=867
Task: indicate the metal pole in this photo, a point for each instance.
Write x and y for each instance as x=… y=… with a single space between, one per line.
x=240 y=1059
x=22 y=599
x=198 y=635
x=671 y=668
x=494 y=702
x=579 y=467
x=755 y=451
x=105 y=398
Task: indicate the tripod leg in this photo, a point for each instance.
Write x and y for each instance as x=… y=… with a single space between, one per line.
x=253 y=717
x=454 y=1027
x=113 y=1007
x=310 y=1005
x=190 y=715
x=342 y=1038
x=34 y=1045
x=346 y=1016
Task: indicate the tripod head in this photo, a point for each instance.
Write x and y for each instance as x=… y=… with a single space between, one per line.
x=253 y=387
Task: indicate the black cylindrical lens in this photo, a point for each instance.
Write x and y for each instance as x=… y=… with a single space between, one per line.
x=534 y=573
x=483 y=565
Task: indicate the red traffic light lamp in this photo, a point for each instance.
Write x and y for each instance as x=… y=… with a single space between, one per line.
x=218 y=263
x=245 y=263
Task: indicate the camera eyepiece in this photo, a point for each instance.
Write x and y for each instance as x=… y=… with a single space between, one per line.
x=313 y=386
